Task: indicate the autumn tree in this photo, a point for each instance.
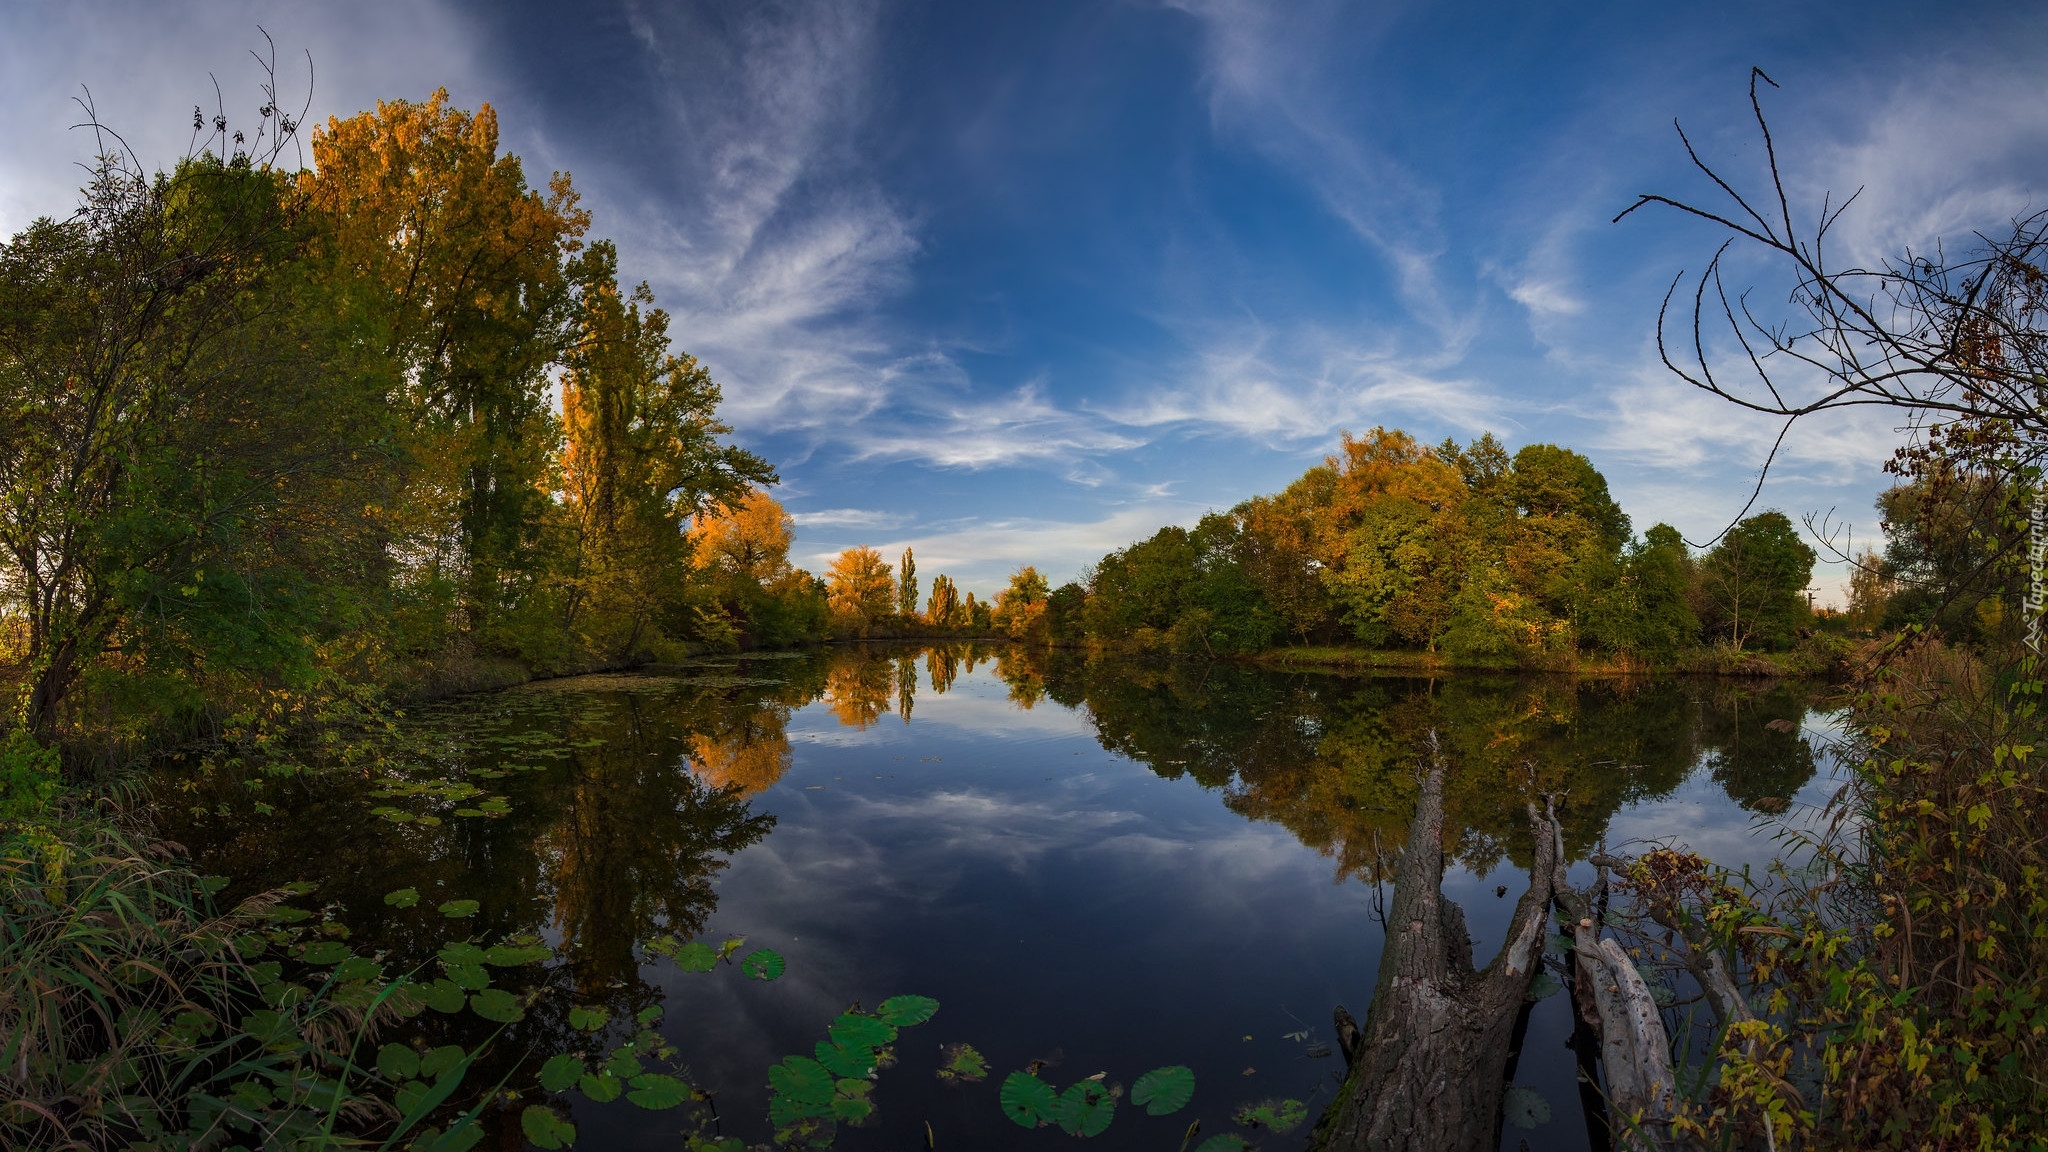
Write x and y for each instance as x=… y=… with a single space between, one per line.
x=863 y=589
x=475 y=301
x=944 y=609
x=1020 y=607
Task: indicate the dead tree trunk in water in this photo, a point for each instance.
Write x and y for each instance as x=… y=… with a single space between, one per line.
x=1427 y=1072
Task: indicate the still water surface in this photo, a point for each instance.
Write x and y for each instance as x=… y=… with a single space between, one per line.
x=1108 y=867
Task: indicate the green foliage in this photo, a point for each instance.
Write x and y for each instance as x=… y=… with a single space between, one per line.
x=961 y=1064
x=1164 y=1091
x=762 y=964
x=30 y=777
x=1281 y=1116
x=545 y=1129
x=1027 y=1100
x=1755 y=582
x=808 y=1097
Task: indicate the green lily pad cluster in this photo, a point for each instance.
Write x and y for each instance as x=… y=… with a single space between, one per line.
x=961 y=1064
x=1281 y=1116
x=621 y=1072
x=809 y=1096
x=1087 y=1107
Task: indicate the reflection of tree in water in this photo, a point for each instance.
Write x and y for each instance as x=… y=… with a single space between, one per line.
x=1333 y=759
x=1754 y=748
x=745 y=749
x=860 y=686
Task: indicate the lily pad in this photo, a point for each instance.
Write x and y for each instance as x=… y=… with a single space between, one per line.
x=656 y=1091
x=1225 y=1142
x=1280 y=1116
x=696 y=957
x=1027 y=1100
x=1544 y=986
x=507 y=956
x=588 y=1019
x=1524 y=1107
x=561 y=1071
x=403 y=898
x=497 y=1005
x=601 y=1087
x=803 y=1079
x=325 y=952
x=1164 y=1091
x=854 y=1030
x=397 y=1062
x=961 y=1064
x=457 y=909
x=762 y=964
x=1085 y=1109
x=546 y=1129
x=846 y=1059
x=905 y=1011
x=460 y=952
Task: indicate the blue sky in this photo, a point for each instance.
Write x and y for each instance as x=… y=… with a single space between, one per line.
x=1020 y=283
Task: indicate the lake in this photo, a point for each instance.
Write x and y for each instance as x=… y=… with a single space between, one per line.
x=1093 y=867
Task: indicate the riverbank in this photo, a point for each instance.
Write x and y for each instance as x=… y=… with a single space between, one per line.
x=1817 y=658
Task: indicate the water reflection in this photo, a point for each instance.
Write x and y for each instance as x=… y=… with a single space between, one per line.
x=628 y=801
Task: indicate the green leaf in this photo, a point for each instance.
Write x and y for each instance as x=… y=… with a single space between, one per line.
x=546 y=1129
x=602 y=1087
x=623 y=1064
x=588 y=1019
x=648 y=1015
x=1543 y=986
x=506 y=956
x=460 y=952
x=905 y=1011
x=561 y=1071
x=1278 y=1115
x=497 y=1005
x=762 y=964
x=441 y=1060
x=961 y=1064
x=846 y=1060
x=358 y=968
x=1164 y=1091
x=442 y=996
x=403 y=898
x=325 y=952
x=1028 y=1100
x=656 y=1091
x=1524 y=1107
x=470 y=977
x=1225 y=1142
x=852 y=1109
x=696 y=957
x=801 y=1079
x=397 y=1062
x=853 y=1030
x=457 y=909
x=1085 y=1109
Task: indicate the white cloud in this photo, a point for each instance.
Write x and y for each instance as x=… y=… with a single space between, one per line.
x=847 y=518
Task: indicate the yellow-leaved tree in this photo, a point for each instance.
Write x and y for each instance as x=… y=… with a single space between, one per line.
x=863 y=590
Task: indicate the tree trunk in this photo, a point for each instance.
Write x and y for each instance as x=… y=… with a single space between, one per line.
x=1428 y=1070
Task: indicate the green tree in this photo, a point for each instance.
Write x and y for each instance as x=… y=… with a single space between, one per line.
x=945 y=610
x=1755 y=581
x=906 y=586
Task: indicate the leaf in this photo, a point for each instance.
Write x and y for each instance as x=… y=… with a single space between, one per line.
x=696 y=957
x=1524 y=1107
x=358 y=968
x=497 y=1005
x=397 y=1062
x=441 y=1060
x=457 y=909
x=853 y=1030
x=403 y=898
x=1027 y=1100
x=762 y=964
x=1225 y=1142
x=325 y=952
x=1279 y=1115
x=1085 y=1109
x=1544 y=986
x=648 y=1015
x=507 y=956
x=588 y=1019
x=961 y=1064
x=801 y=1079
x=561 y=1071
x=1164 y=1091
x=656 y=1091
x=442 y=996
x=602 y=1088
x=546 y=1129
x=460 y=952
x=470 y=977
x=905 y=1011
x=844 y=1059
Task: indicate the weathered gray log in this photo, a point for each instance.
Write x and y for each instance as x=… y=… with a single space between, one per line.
x=1635 y=1049
x=1427 y=1070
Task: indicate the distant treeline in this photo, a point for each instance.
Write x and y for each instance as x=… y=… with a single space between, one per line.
x=1466 y=552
